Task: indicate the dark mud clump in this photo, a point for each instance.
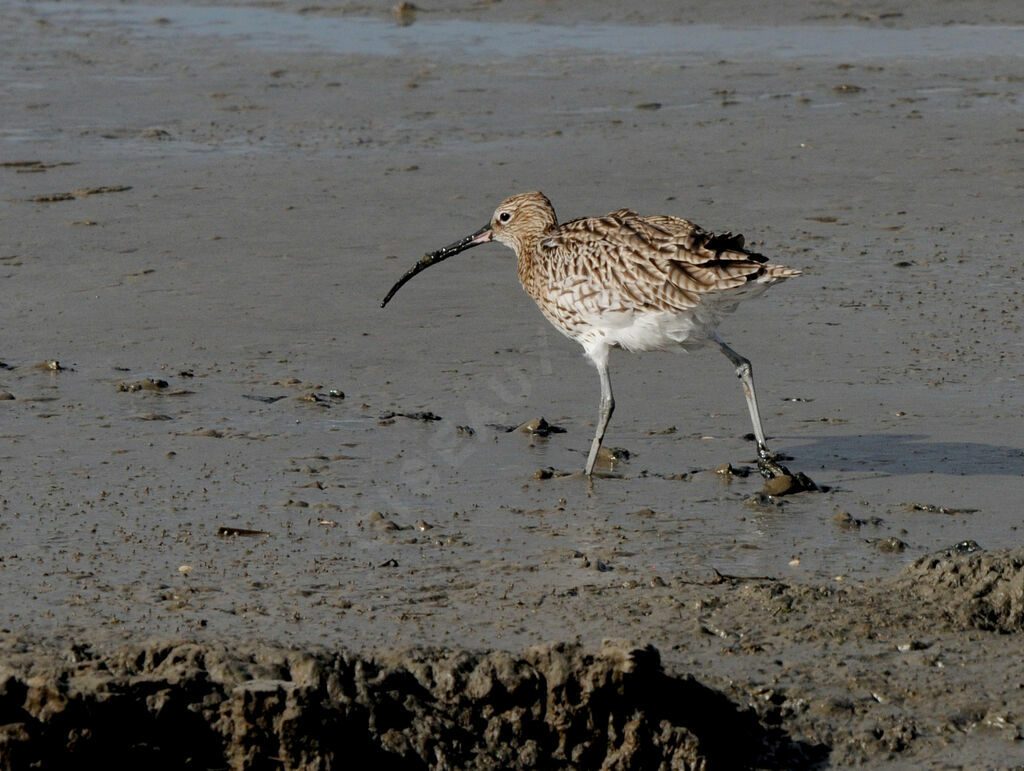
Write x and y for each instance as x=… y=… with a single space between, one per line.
x=554 y=706
x=984 y=590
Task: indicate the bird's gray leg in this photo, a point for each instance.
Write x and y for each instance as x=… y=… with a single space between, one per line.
x=607 y=406
x=746 y=375
x=765 y=458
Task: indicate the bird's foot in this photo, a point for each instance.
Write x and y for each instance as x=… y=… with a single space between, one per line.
x=768 y=463
x=779 y=480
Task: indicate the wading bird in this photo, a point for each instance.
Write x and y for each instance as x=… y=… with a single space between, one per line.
x=641 y=283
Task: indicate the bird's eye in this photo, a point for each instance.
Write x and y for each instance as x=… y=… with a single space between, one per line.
x=504 y=216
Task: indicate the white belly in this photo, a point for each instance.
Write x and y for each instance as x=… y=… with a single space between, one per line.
x=647 y=331
x=603 y=322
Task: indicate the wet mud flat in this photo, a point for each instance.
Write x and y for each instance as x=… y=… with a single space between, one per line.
x=240 y=503
x=894 y=675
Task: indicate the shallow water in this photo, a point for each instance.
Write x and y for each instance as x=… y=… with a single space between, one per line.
x=462 y=39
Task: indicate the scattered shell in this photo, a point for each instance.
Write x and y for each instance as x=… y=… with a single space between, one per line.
x=728 y=471
x=846 y=521
x=964 y=547
x=35 y=165
x=155 y=133
x=424 y=416
x=185 y=568
x=539 y=427
x=146 y=384
x=313 y=397
x=933 y=509
x=613 y=455
x=263 y=399
x=52 y=198
x=223 y=530
x=210 y=432
x=82 y=192
x=891 y=545
x=762 y=501
x=913 y=645
x=377 y=521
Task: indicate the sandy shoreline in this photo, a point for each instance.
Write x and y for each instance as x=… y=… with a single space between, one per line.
x=201 y=218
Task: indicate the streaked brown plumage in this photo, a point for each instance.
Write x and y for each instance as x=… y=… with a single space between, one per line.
x=641 y=283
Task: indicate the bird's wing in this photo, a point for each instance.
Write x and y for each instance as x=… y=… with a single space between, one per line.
x=659 y=262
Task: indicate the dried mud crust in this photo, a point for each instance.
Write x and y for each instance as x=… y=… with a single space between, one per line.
x=832 y=676
x=188 y=705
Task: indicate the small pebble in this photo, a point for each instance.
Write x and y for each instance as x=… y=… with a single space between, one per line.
x=779 y=485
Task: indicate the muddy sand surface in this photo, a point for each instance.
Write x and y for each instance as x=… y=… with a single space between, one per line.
x=241 y=502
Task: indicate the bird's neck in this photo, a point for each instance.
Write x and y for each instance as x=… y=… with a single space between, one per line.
x=529 y=261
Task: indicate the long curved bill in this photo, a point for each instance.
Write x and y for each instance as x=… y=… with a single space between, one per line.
x=482 y=236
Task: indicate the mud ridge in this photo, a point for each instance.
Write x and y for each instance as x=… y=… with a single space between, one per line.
x=984 y=590
x=178 y=705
